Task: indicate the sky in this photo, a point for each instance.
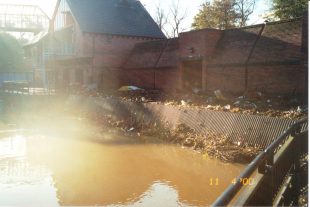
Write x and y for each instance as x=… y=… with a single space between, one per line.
x=191 y=7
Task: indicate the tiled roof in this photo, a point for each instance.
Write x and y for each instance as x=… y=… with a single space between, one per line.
x=152 y=54
x=118 y=17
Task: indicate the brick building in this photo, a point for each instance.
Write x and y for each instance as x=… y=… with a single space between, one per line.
x=270 y=58
x=89 y=40
x=112 y=43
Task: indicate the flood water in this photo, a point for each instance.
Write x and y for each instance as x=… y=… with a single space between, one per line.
x=49 y=171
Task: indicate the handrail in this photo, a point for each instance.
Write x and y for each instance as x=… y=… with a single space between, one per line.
x=233 y=189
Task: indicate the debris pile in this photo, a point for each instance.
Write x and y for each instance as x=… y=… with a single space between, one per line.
x=213 y=145
x=303 y=197
x=253 y=104
x=280 y=107
x=210 y=144
x=303 y=175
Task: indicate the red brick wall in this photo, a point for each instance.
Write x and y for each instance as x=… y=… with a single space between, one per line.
x=202 y=41
x=109 y=52
x=143 y=78
x=228 y=79
x=272 y=80
x=277 y=79
x=165 y=79
x=108 y=78
x=305 y=33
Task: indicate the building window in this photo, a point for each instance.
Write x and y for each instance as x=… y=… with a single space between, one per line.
x=68 y=18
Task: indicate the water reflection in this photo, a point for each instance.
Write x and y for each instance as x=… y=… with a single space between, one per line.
x=22 y=183
x=71 y=172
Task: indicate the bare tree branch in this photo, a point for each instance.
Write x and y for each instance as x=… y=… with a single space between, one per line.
x=177 y=18
x=161 y=17
x=244 y=9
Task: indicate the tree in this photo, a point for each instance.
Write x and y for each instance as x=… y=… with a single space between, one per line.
x=177 y=18
x=244 y=8
x=287 y=9
x=161 y=18
x=221 y=14
x=11 y=57
x=205 y=18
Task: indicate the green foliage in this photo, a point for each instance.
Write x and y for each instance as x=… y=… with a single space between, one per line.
x=287 y=9
x=205 y=19
x=11 y=54
x=221 y=14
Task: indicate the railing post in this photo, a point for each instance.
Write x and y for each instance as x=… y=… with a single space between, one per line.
x=266 y=168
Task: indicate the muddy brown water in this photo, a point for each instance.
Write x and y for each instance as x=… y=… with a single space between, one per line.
x=41 y=171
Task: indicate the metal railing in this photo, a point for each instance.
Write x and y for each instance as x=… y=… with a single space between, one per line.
x=23 y=18
x=271 y=171
x=23 y=88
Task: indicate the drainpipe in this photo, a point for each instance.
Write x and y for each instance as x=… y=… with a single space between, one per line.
x=157 y=61
x=250 y=56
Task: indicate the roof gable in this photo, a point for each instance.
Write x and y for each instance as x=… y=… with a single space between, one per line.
x=118 y=17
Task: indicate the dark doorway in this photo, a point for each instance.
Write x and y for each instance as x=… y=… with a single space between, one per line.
x=192 y=75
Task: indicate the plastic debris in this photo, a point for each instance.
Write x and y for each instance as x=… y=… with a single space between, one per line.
x=237 y=103
x=196 y=90
x=219 y=95
x=299 y=110
x=227 y=107
x=210 y=100
x=130 y=88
